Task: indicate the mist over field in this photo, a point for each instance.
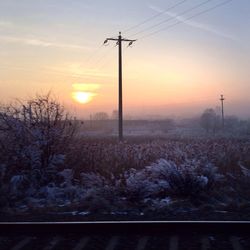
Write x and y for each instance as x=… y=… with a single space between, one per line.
x=175 y=110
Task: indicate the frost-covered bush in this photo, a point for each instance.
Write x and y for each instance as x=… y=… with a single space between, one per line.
x=98 y=200
x=18 y=185
x=158 y=204
x=190 y=178
x=100 y=193
x=34 y=137
x=245 y=171
x=65 y=191
x=164 y=178
x=140 y=185
x=152 y=187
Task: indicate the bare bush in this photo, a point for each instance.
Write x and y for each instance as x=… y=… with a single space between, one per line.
x=34 y=136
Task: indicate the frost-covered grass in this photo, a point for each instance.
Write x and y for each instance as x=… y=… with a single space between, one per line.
x=103 y=176
x=108 y=157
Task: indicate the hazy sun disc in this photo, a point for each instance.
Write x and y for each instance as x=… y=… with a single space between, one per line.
x=83 y=97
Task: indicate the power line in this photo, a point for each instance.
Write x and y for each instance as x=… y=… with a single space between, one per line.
x=96 y=51
x=105 y=62
x=155 y=16
x=100 y=58
x=189 y=18
x=171 y=18
x=89 y=62
x=100 y=61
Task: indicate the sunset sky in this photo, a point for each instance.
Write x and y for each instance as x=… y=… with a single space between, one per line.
x=56 y=45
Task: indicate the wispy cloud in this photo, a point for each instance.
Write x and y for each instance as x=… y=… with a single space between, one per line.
x=87 y=87
x=194 y=24
x=5 y=24
x=40 y=43
x=76 y=70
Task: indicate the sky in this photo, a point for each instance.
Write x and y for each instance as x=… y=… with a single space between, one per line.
x=179 y=65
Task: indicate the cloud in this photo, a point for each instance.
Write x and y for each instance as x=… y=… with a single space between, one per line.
x=5 y=24
x=194 y=24
x=86 y=86
x=81 y=72
x=40 y=43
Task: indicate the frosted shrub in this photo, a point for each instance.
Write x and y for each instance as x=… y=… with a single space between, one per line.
x=187 y=179
x=34 y=137
x=245 y=171
x=158 y=203
x=68 y=176
x=18 y=185
x=100 y=193
x=140 y=185
x=72 y=191
x=164 y=178
x=91 y=180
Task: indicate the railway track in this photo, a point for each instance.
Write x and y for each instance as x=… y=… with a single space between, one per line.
x=125 y=236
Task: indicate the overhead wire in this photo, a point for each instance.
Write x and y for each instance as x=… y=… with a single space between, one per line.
x=131 y=28
x=155 y=16
x=102 y=61
x=172 y=18
x=186 y=19
x=96 y=51
x=95 y=63
x=106 y=59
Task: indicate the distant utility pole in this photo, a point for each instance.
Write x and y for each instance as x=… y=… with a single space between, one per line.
x=222 y=99
x=119 y=41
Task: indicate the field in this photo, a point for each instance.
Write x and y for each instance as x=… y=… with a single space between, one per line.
x=141 y=178
x=52 y=167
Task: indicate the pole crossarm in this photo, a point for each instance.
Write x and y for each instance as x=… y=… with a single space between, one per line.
x=128 y=40
x=122 y=39
x=119 y=40
x=111 y=39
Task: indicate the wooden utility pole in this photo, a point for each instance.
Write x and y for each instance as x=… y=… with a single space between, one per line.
x=222 y=99
x=119 y=41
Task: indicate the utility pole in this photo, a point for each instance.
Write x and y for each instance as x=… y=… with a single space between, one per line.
x=119 y=41
x=222 y=99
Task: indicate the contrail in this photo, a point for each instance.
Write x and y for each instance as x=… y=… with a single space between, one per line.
x=195 y=24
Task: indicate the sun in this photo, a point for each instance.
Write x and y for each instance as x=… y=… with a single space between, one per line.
x=84 y=92
x=83 y=97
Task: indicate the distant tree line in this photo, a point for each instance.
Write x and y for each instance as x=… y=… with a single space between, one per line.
x=212 y=123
